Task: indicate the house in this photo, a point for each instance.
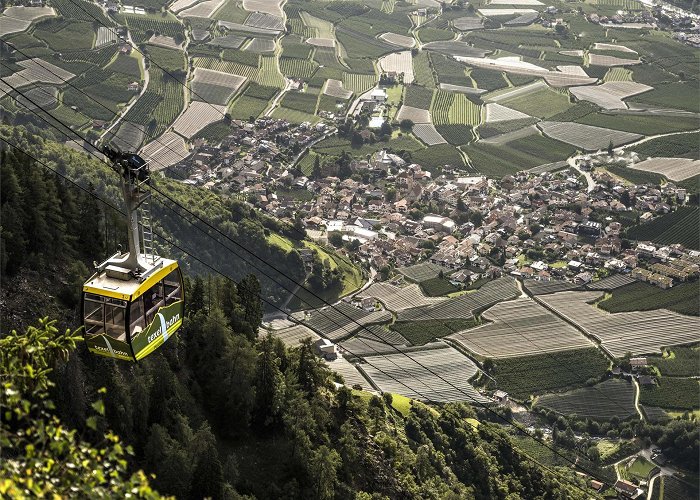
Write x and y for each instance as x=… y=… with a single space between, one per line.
x=583 y=278
x=625 y=489
x=638 y=362
x=326 y=349
x=500 y=396
x=597 y=485
x=378 y=95
x=133 y=87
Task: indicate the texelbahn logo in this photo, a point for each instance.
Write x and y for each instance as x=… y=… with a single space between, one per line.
x=112 y=352
x=164 y=325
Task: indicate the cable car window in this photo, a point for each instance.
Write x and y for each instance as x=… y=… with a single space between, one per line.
x=115 y=319
x=93 y=312
x=137 y=317
x=153 y=299
x=173 y=290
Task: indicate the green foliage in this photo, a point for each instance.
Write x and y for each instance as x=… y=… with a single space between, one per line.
x=436 y=287
x=418 y=97
x=302 y=101
x=612 y=398
x=429 y=34
x=48 y=459
x=681 y=226
x=456 y=135
x=142 y=27
x=636 y=176
x=242 y=57
x=68 y=36
x=438 y=156
x=675 y=393
x=677 y=146
x=540 y=373
x=683 y=362
x=488 y=79
x=424 y=331
x=167 y=59
x=640 y=296
x=645 y=123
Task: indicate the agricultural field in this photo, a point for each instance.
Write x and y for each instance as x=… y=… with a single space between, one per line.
x=465 y=306
x=524 y=376
x=611 y=94
x=677 y=146
x=611 y=283
x=675 y=169
x=342 y=320
x=214 y=87
x=680 y=226
x=428 y=134
x=403 y=41
x=399 y=62
x=438 y=156
x=678 y=362
x=416 y=115
x=638 y=332
x=612 y=398
x=293 y=335
x=397 y=298
x=45 y=97
x=534 y=100
x=672 y=95
x=520 y=327
x=434 y=374
x=19 y=18
x=169 y=149
x=640 y=123
x=586 y=137
x=537 y=287
x=35 y=71
x=672 y=488
x=672 y=393
x=424 y=331
x=640 y=296
x=128 y=136
x=197 y=116
x=421 y=272
x=498 y=113
x=437 y=287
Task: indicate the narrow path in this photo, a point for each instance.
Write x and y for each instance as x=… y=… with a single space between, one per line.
x=275 y=102
x=636 y=398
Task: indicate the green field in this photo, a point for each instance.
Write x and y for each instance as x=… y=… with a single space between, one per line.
x=530 y=375
x=676 y=146
x=437 y=287
x=680 y=362
x=542 y=103
x=672 y=393
x=422 y=332
x=640 y=124
x=640 y=468
x=682 y=298
x=672 y=488
x=65 y=35
x=672 y=95
x=612 y=398
x=681 y=226
x=636 y=176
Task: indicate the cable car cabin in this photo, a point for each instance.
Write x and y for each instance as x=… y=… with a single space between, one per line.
x=128 y=318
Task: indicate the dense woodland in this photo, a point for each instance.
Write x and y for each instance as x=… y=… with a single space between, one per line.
x=218 y=411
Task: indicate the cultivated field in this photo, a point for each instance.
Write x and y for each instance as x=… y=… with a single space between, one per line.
x=203 y=9
x=680 y=226
x=215 y=87
x=415 y=377
x=399 y=62
x=427 y=133
x=416 y=115
x=335 y=88
x=536 y=287
x=586 y=137
x=404 y=41
x=228 y=41
x=639 y=296
x=608 y=61
x=105 y=36
x=35 y=70
x=465 y=306
x=273 y=7
x=179 y=5
x=505 y=12
x=421 y=272
x=468 y=23
x=520 y=327
x=265 y=21
x=613 y=47
x=610 y=95
x=167 y=42
x=498 y=113
x=342 y=320
x=45 y=97
x=642 y=332
x=19 y=18
x=169 y=149
x=128 y=137
x=675 y=169
x=197 y=116
x=612 y=398
x=293 y=335
x=611 y=282
x=455 y=48
x=260 y=45
x=518 y=67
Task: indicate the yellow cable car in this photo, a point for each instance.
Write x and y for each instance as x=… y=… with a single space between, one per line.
x=135 y=301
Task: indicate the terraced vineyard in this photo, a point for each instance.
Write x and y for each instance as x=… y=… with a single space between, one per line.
x=680 y=226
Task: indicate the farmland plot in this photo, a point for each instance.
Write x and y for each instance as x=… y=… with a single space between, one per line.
x=468 y=23
x=461 y=89
x=608 y=61
x=105 y=36
x=613 y=47
x=520 y=327
x=293 y=335
x=609 y=95
x=427 y=133
x=35 y=71
x=612 y=398
x=518 y=67
x=439 y=375
x=321 y=42
x=680 y=226
x=203 y=9
x=167 y=42
x=335 y=88
x=465 y=306
x=169 y=149
x=238 y=28
x=505 y=12
x=265 y=21
x=19 y=18
x=675 y=169
x=273 y=7
x=515 y=2
x=342 y=320
x=215 y=87
x=197 y=116
x=399 y=62
x=260 y=45
x=228 y=41
x=498 y=113
x=639 y=332
x=179 y=5
x=406 y=42
x=455 y=48
x=42 y=97
x=586 y=137
x=9 y=25
x=357 y=83
x=397 y=298
x=128 y=137
x=537 y=287
x=611 y=282
x=416 y=115
x=421 y=272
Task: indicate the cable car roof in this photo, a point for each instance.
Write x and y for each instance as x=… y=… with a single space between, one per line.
x=101 y=284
